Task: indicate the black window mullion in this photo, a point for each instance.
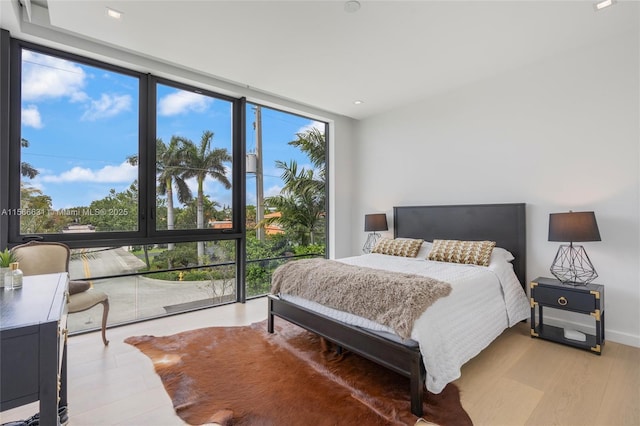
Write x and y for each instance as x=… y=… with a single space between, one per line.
x=327 y=216
x=148 y=157
x=5 y=61
x=240 y=194
x=15 y=93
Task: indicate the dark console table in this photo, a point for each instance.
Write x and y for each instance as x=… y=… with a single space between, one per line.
x=33 y=345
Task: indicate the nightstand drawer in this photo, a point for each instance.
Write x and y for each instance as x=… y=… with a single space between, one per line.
x=564 y=298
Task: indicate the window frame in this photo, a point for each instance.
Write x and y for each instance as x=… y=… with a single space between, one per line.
x=147 y=232
x=237 y=144
x=326 y=162
x=10 y=154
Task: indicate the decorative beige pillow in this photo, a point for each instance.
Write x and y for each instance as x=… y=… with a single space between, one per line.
x=468 y=252
x=407 y=247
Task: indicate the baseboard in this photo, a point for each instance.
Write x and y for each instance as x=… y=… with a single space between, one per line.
x=623 y=338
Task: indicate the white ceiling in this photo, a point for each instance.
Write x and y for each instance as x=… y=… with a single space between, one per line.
x=389 y=53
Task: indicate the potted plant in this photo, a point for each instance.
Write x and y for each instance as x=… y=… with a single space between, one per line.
x=6 y=258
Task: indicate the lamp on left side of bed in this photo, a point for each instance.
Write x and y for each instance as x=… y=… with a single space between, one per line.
x=372 y=224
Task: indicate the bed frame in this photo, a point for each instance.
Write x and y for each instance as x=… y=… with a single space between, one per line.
x=502 y=223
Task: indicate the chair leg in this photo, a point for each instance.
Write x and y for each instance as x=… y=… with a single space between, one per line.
x=105 y=313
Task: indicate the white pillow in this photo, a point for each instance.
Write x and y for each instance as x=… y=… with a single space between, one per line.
x=501 y=254
x=424 y=250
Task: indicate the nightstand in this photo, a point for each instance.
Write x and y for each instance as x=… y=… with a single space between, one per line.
x=588 y=300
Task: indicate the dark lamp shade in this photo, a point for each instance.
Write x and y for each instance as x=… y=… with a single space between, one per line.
x=573 y=227
x=375 y=222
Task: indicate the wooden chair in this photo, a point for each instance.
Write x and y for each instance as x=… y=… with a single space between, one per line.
x=37 y=258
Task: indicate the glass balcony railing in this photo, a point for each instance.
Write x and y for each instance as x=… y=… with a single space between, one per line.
x=136 y=296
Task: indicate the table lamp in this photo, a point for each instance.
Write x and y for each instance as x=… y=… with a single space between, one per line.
x=372 y=224
x=571 y=264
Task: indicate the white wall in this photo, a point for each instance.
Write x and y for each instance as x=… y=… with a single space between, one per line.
x=561 y=134
x=341 y=177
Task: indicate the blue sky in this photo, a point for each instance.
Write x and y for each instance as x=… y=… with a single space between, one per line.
x=82 y=123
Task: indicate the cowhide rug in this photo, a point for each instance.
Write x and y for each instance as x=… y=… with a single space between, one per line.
x=245 y=376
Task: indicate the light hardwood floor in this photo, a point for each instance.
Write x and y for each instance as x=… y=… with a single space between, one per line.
x=515 y=381
x=518 y=380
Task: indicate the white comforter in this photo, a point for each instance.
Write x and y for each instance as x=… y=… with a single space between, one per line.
x=484 y=301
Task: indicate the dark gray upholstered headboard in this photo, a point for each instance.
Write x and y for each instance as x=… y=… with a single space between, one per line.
x=502 y=223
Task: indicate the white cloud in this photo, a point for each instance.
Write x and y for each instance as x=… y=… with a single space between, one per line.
x=192 y=183
x=212 y=185
x=36 y=184
x=273 y=191
x=313 y=125
x=306 y=166
x=124 y=172
x=48 y=77
x=31 y=117
x=107 y=106
x=182 y=102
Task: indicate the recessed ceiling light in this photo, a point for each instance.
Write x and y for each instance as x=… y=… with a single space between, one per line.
x=603 y=4
x=352 y=6
x=358 y=102
x=112 y=13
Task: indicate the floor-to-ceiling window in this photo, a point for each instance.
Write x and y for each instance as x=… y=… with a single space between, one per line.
x=149 y=181
x=286 y=191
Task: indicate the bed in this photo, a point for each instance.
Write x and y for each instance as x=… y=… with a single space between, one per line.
x=502 y=223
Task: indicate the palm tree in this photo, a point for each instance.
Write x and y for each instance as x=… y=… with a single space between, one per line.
x=33 y=198
x=170 y=168
x=302 y=199
x=26 y=169
x=312 y=143
x=300 y=203
x=203 y=161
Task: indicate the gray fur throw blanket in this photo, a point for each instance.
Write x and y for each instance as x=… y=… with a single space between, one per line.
x=393 y=299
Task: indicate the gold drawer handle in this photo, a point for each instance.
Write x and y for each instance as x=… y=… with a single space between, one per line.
x=562 y=300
